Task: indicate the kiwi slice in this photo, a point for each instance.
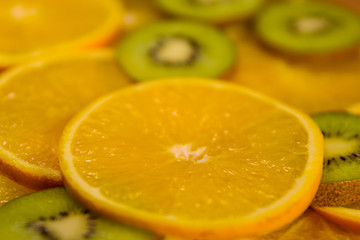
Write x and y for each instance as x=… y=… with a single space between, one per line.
x=340 y=184
x=308 y=27
x=211 y=10
x=176 y=48
x=53 y=215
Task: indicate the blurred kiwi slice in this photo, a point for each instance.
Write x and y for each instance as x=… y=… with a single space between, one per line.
x=176 y=48
x=211 y=10
x=340 y=184
x=53 y=215
x=308 y=27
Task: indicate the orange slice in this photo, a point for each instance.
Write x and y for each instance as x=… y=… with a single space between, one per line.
x=139 y=13
x=310 y=225
x=346 y=216
x=36 y=101
x=193 y=158
x=332 y=86
x=31 y=28
x=355 y=108
x=10 y=190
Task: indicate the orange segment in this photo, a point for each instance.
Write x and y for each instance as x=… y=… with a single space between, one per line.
x=30 y=28
x=194 y=158
x=10 y=189
x=332 y=86
x=36 y=101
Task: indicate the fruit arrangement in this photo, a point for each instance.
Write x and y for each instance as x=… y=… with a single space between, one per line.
x=180 y=119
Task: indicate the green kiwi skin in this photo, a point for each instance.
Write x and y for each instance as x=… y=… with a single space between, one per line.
x=16 y=215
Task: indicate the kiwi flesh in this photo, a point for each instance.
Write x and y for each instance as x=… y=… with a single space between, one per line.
x=217 y=11
x=176 y=48
x=52 y=215
x=308 y=28
x=340 y=183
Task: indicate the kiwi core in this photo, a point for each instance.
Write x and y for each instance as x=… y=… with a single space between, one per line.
x=175 y=51
x=311 y=25
x=185 y=152
x=339 y=147
x=75 y=226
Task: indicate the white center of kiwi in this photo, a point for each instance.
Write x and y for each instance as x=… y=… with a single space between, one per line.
x=185 y=152
x=336 y=147
x=310 y=25
x=175 y=50
x=74 y=226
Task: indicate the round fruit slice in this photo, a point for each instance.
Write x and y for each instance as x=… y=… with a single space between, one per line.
x=310 y=88
x=30 y=28
x=309 y=226
x=36 y=101
x=10 y=189
x=139 y=13
x=211 y=10
x=355 y=109
x=176 y=48
x=346 y=216
x=340 y=184
x=52 y=214
x=193 y=158
x=308 y=27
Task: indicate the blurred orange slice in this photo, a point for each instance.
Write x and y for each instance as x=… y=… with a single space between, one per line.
x=10 y=189
x=36 y=101
x=139 y=13
x=346 y=216
x=310 y=88
x=32 y=28
x=193 y=158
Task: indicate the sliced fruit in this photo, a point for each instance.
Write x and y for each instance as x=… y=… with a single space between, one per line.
x=193 y=158
x=340 y=183
x=309 y=226
x=211 y=10
x=52 y=214
x=308 y=27
x=341 y=132
x=36 y=101
x=313 y=89
x=32 y=28
x=10 y=189
x=346 y=216
x=139 y=13
x=355 y=109
x=176 y=48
